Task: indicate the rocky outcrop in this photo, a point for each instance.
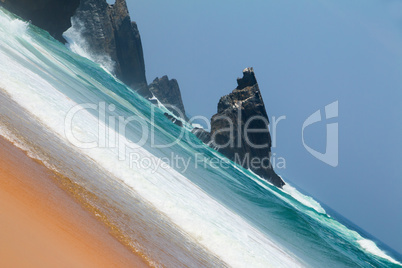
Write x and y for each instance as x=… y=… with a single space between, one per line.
x=51 y=15
x=109 y=31
x=174 y=120
x=240 y=128
x=168 y=93
x=202 y=134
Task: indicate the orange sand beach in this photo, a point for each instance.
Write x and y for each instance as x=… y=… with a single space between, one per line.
x=43 y=226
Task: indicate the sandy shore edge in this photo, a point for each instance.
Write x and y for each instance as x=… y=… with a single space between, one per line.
x=43 y=226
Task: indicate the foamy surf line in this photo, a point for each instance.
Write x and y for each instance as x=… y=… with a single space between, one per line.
x=179 y=215
x=50 y=107
x=36 y=149
x=366 y=244
x=28 y=188
x=167 y=216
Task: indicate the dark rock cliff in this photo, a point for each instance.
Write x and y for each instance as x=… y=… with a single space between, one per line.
x=241 y=110
x=109 y=31
x=202 y=135
x=51 y=15
x=168 y=93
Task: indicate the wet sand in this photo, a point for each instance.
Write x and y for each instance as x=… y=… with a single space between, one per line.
x=43 y=226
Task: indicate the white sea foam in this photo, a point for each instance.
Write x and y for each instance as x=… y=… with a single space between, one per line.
x=202 y=218
x=8 y=135
x=13 y=26
x=304 y=199
x=342 y=230
x=288 y=189
x=198 y=215
x=77 y=44
x=371 y=247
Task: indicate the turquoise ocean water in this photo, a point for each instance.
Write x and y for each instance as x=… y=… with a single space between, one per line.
x=171 y=203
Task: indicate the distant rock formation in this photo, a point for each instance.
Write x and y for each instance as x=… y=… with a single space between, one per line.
x=173 y=119
x=168 y=93
x=109 y=31
x=240 y=110
x=202 y=134
x=51 y=15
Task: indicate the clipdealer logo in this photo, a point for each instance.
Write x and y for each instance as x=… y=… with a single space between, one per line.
x=331 y=154
x=111 y=132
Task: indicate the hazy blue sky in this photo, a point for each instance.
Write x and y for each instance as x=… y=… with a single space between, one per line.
x=306 y=54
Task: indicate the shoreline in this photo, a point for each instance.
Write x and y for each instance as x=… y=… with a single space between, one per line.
x=41 y=225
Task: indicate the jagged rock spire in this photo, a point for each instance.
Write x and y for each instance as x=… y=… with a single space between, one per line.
x=241 y=110
x=248 y=79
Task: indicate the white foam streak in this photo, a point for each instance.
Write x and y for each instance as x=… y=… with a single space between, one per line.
x=202 y=218
x=366 y=244
x=304 y=199
x=206 y=221
x=371 y=247
x=77 y=44
x=13 y=26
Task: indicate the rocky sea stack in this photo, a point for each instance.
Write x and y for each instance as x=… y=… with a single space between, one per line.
x=168 y=93
x=109 y=31
x=241 y=110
